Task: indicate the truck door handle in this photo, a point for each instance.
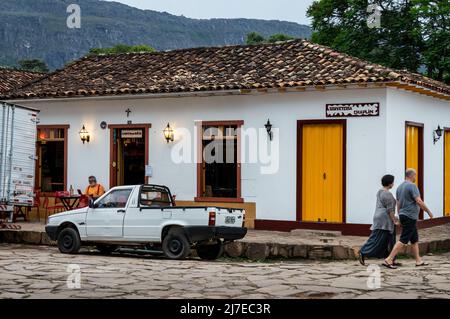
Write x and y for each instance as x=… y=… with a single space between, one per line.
x=324 y=176
x=121 y=211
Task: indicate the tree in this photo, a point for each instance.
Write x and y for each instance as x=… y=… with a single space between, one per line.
x=434 y=18
x=255 y=38
x=279 y=37
x=34 y=65
x=121 y=48
x=413 y=33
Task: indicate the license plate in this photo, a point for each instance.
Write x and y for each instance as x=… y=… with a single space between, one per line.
x=230 y=220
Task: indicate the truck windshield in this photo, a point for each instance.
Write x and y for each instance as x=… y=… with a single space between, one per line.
x=155 y=197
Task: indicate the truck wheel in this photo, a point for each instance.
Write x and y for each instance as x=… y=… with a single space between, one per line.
x=69 y=241
x=106 y=249
x=175 y=245
x=211 y=251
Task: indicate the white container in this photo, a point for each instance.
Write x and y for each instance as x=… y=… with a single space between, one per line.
x=17 y=155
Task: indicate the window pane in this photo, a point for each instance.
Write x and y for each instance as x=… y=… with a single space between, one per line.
x=115 y=199
x=152 y=197
x=219 y=171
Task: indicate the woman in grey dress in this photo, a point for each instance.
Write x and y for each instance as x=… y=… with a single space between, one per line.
x=382 y=239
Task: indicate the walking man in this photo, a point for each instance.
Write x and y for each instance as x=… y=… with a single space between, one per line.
x=409 y=204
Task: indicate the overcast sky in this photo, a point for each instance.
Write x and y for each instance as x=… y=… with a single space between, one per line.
x=288 y=10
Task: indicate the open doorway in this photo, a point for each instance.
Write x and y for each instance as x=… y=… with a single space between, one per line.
x=129 y=154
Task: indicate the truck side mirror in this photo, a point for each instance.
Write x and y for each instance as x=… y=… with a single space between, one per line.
x=92 y=203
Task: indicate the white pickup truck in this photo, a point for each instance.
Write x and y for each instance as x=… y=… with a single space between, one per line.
x=145 y=217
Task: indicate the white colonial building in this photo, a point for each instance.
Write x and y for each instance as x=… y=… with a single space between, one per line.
x=338 y=125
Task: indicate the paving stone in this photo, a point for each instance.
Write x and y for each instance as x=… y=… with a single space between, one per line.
x=31 y=237
x=280 y=250
x=45 y=240
x=340 y=253
x=257 y=251
x=300 y=251
x=234 y=249
x=313 y=233
x=320 y=253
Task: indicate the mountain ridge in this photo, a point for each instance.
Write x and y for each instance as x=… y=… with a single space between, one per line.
x=37 y=29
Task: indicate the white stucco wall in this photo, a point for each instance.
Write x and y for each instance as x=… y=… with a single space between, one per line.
x=275 y=195
x=408 y=106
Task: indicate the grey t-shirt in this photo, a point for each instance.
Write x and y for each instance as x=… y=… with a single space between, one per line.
x=407 y=193
x=385 y=205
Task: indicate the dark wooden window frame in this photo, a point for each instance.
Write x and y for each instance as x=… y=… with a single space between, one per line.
x=66 y=128
x=300 y=124
x=421 y=127
x=111 y=127
x=199 y=126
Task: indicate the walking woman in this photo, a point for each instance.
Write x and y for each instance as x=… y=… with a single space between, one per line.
x=382 y=239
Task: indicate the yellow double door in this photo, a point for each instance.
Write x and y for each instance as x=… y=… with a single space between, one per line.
x=447 y=173
x=322 y=172
x=413 y=136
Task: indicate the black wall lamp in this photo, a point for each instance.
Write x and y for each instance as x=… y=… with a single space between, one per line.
x=437 y=134
x=84 y=135
x=168 y=134
x=268 y=127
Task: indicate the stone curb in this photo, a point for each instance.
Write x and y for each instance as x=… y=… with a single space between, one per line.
x=249 y=250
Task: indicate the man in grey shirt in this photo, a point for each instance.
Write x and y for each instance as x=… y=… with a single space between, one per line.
x=409 y=204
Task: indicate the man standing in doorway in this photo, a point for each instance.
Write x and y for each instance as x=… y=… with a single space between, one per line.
x=409 y=204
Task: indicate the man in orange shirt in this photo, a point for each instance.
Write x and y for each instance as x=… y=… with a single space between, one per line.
x=94 y=189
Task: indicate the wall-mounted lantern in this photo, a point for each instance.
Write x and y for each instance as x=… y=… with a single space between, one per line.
x=268 y=127
x=84 y=135
x=437 y=134
x=168 y=134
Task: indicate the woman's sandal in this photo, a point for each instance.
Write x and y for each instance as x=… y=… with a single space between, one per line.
x=388 y=265
x=396 y=264
x=361 y=259
x=423 y=263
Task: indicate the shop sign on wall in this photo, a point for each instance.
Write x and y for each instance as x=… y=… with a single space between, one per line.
x=353 y=109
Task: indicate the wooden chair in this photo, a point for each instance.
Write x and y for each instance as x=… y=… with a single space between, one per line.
x=84 y=201
x=37 y=203
x=56 y=208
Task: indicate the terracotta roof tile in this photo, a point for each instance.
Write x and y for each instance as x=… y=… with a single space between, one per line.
x=280 y=65
x=11 y=79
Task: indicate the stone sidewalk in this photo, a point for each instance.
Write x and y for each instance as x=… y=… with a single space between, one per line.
x=40 y=272
x=259 y=245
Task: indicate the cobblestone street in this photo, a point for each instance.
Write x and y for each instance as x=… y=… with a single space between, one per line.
x=41 y=272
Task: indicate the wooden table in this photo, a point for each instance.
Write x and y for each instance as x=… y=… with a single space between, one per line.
x=70 y=202
x=20 y=211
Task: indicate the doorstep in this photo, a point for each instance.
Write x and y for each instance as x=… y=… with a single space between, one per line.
x=260 y=245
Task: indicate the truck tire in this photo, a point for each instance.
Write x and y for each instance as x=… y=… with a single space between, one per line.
x=175 y=245
x=69 y=241
x=106 y=249
x=210 y=251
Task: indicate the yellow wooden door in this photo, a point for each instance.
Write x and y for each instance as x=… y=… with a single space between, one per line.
x=447 y=174
x=312 y=170
x=322 y=175
x=333 y=173
x=412 y=149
